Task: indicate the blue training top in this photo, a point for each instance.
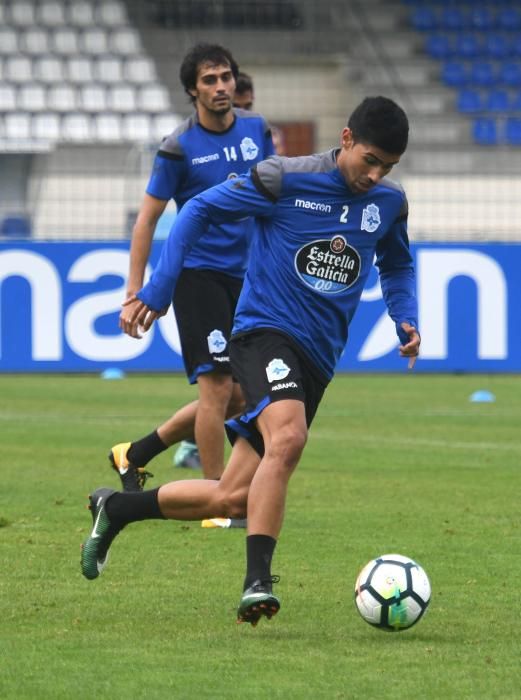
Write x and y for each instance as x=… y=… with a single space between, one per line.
x=191 y=160
x=311 y=255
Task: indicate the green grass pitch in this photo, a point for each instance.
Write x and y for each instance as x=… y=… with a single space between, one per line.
x=393 y=464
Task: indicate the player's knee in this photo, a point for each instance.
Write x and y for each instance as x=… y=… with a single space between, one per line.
x=287 y=444
x=217 y=390
x=238 y=508
x=236 y=406
x=231 y=504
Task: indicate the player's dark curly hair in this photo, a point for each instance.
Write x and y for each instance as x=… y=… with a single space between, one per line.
x=204 y=53
x=379 y=121
x=244 y=83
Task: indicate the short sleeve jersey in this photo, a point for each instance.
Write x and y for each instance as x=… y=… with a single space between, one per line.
x=191 y=160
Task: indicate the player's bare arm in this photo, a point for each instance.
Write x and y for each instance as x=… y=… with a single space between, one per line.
x=142 y=235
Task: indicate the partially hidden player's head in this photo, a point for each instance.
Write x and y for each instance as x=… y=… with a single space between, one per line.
x=244 y=93
x=208 y=74
x=373 y=142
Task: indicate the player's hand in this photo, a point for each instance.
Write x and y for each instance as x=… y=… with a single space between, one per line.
x=126 y=314
x=410 y=349
x=139 y=316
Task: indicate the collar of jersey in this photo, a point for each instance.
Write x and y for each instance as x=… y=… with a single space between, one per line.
x=211 y=131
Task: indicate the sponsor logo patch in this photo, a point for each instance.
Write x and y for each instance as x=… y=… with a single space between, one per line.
x=284 y=385
x=328 y=266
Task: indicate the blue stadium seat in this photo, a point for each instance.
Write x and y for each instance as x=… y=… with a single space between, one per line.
x=484 y=131
x=482 y=18
x=497 y=101
x=454 y=74
x=496 y=46
x=509 y=19
x=16 y=226
x=515 y=46
x=510 y=73
x=483 y=73
x=513 y=131
x=438 y=46
x=468 y=45
x=424 y=19
x=515 y=102
x=469 y=101
x=453 y=18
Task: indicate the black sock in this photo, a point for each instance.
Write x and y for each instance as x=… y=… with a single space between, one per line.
x=142 y=451
x=259 y=552
x=130 y=506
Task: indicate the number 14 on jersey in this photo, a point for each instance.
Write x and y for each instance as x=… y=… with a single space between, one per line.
x=230 y=153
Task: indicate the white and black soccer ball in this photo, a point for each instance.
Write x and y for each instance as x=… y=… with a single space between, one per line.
x=392 y=592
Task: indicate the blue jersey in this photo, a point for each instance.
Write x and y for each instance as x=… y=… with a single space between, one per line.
x=311 y=255
x=191 y=160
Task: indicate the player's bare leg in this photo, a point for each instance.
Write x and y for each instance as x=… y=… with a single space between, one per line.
x=195 y=499
x=284 y=430
x=181 y=500
x=187 y=453
x=130 y=458
x=181 y=425
x=215 y=393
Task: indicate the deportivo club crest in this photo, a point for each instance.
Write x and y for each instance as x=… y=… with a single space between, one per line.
x=249 y=148
x=277 y=369
x=216 y=341
x=370 y=218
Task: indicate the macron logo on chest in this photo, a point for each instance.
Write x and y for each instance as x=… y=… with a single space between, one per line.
x=201 y=160
x=315 y=206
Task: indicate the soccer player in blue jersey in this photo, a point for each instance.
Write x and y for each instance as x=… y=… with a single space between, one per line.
x=215 y=144
x=324 y=219
x=187 y=454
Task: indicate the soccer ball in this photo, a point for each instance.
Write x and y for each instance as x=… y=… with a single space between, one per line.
x=392 y=592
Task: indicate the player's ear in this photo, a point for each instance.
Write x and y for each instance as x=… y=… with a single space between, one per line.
x=347 y=137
